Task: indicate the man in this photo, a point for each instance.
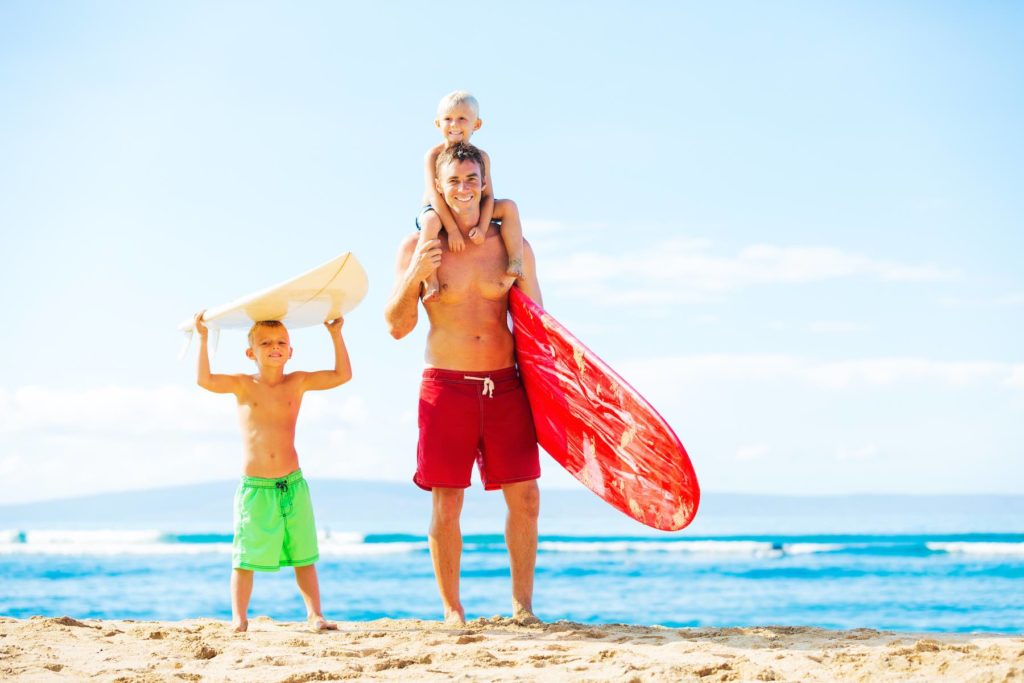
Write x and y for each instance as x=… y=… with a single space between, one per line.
x=472 y=404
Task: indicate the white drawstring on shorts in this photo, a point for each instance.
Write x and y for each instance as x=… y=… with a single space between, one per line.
x=488 y=385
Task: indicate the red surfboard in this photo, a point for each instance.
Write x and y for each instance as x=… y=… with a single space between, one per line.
x=598 y=427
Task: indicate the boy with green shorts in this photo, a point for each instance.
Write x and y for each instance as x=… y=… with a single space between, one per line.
x=274 y=524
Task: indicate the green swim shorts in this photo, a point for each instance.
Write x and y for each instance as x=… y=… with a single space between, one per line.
x=274 y=524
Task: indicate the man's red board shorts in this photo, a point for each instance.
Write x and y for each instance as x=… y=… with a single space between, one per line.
x=475 y=416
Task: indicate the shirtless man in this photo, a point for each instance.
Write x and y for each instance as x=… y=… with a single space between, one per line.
x=472 y=404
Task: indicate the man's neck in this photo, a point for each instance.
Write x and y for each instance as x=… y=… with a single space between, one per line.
x=467 y=220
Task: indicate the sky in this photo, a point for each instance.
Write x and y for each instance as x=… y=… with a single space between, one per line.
x=795 y=227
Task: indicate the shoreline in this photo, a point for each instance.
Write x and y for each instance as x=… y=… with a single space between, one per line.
x=63 y=648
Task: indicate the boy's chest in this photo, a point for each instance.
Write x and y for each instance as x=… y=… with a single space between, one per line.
x=272 y=403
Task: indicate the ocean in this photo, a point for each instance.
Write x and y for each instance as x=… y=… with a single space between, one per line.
x=942 y=564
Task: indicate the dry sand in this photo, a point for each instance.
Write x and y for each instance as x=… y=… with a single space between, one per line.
x=52 y=649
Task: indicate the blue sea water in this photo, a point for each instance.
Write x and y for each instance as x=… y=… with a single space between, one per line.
x=955 y=582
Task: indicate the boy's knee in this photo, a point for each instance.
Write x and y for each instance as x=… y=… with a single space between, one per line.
x=430 y=224
x=507 y=207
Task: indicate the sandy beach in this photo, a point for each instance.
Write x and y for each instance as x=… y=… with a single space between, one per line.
x=52 y=649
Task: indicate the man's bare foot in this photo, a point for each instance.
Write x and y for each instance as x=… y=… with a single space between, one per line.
x=524 y=617
x=515 y=267
x=318 y=623
x=476 y=236
x=240 y=625
x=454 y=618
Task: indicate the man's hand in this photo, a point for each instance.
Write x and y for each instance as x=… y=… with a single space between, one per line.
x=425 y=259
x=455 y=241
x=334 y=326
x=198 y=323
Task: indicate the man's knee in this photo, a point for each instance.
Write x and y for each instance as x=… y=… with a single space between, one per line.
x=447 y=505
x=524 y=499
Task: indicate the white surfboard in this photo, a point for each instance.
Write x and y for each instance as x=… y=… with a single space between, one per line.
x=324 y=293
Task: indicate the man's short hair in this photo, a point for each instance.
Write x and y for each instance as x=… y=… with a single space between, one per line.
x=263 y=323
x=453 y=99
x=460 y=151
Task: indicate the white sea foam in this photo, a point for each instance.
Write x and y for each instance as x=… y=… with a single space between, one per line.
x=333 y=549
x=93 y=537
x=753 y=548
x=10 y=536
x=978 y=548
x=108 y=549
x=811 y=548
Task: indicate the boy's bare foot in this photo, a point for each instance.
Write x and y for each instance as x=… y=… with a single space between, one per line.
x=476 y=236
x=431 y=289
x=454 y=618
x=318 y=623
x=515 y=267
x=240 y=625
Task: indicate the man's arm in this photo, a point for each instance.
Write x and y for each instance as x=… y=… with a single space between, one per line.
x=528 y=283
x=415 y=263
x=218 y=384
x=342 y=372
x=455 y=241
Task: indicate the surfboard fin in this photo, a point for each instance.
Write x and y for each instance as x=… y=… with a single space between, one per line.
x=212 y=346
x=185 y=344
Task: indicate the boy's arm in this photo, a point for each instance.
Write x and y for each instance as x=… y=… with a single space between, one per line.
x=342 y=372
x=487 y=199
x=528 y=283
x=218 y=384
x=436 y=200
x=415 y=263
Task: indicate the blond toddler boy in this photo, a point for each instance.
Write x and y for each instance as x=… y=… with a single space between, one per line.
x=273 y=515
x=458 y=117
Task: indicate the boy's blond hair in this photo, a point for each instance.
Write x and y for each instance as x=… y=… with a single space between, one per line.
x=453 y=99
x=262 y=323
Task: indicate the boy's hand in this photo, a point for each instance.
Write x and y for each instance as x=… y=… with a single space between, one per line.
x=198 y=323
x=334 y=325
x=455 y=241
x=476 y=235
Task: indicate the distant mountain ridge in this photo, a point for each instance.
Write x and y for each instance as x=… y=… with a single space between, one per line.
x=397 y=507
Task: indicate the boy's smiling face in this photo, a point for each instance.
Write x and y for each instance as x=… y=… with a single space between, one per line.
x=270 y=347
x=458 y=123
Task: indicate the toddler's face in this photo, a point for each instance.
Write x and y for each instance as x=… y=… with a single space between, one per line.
x=458 y=123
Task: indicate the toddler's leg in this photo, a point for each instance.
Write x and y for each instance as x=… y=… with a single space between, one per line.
x=309 y=587
x=430 y=228
x=241 y=591
x=507 y=212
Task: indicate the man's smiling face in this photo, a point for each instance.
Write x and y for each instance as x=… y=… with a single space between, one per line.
x=461 y=183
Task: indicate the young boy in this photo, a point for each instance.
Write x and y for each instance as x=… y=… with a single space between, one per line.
x=458 y=117
x=273 y=513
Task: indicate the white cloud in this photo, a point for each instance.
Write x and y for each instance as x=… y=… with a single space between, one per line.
x=113 y=409
x=828 y=374
x=687 y=269
x=149 y=410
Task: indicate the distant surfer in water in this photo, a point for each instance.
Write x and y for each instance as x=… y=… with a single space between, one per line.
x=473 y=407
